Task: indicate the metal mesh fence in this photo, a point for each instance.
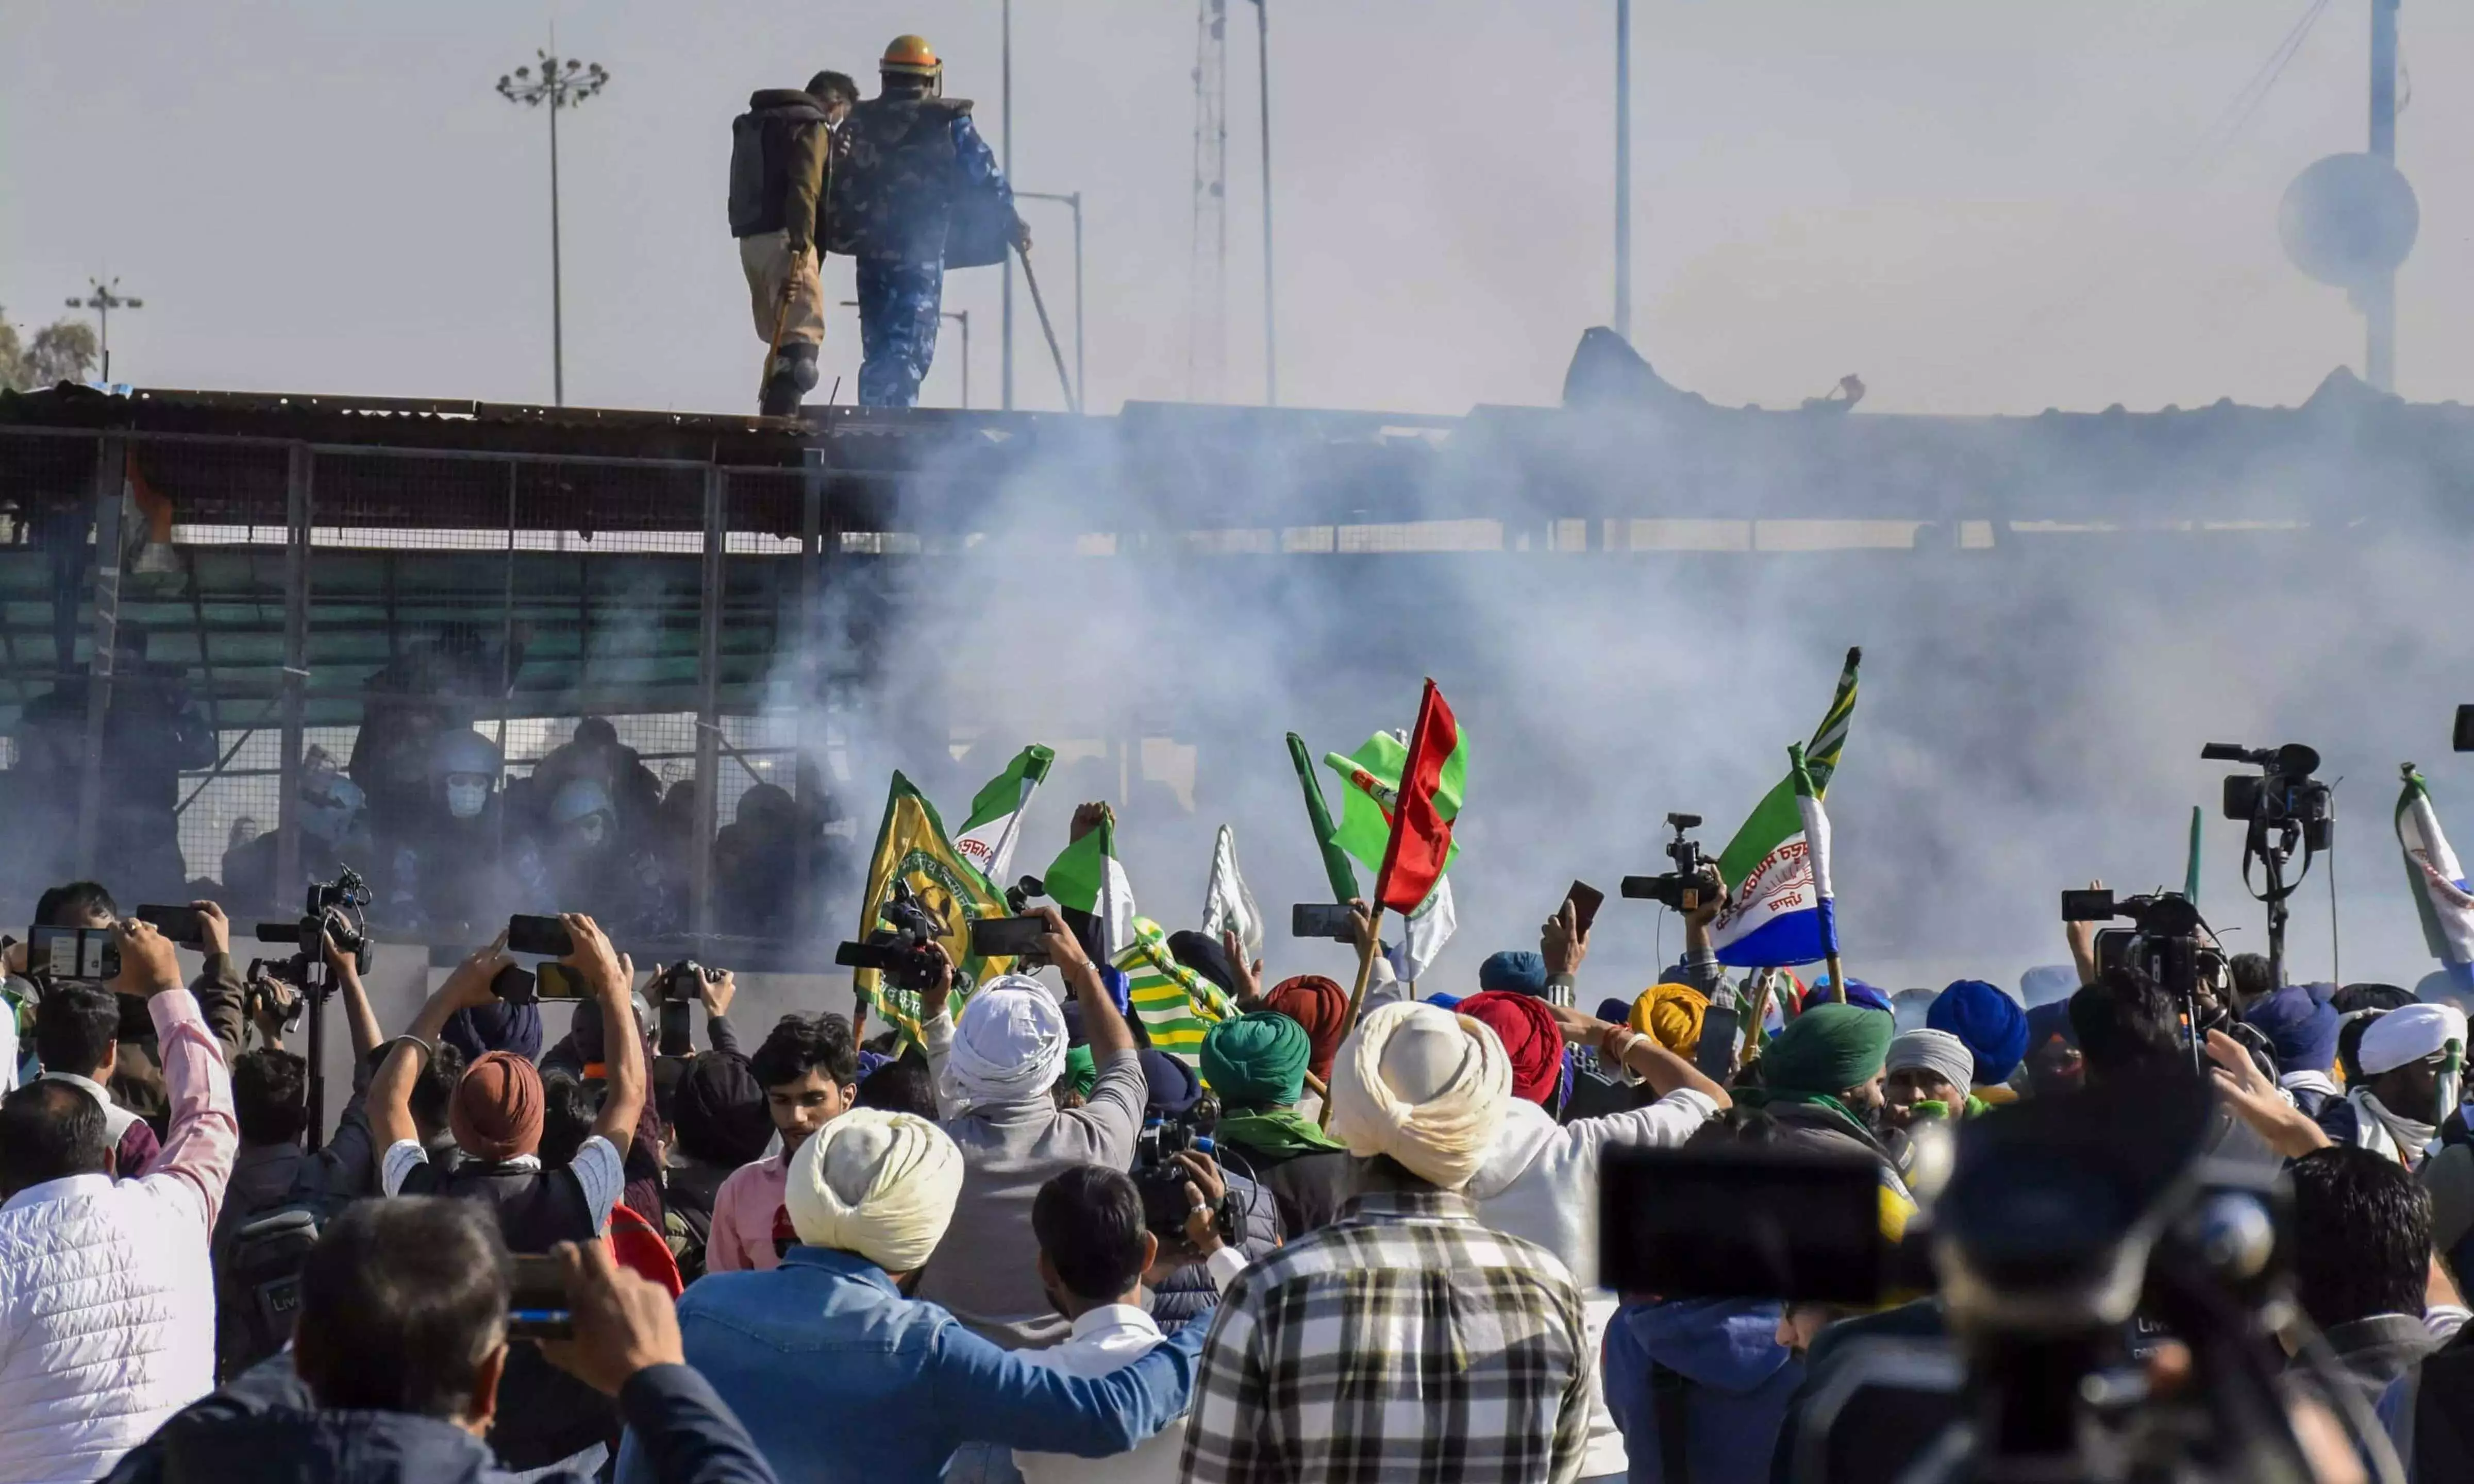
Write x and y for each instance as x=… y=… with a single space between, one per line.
x=488 y=683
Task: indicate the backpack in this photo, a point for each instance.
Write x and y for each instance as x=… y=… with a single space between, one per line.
x=260 y=1280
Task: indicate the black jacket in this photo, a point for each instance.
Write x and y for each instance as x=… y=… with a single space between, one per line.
x=263 y=1426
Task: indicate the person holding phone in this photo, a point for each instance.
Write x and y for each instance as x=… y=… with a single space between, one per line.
x=497 y=1114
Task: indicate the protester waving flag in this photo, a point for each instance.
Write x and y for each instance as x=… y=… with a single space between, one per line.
x=1227 y=906
x=1175 y=1005
x=1780 y=912
x=1429 y=800
x=2442 y=896
x=987 y=837
x=910 y=847
x=1087 y=878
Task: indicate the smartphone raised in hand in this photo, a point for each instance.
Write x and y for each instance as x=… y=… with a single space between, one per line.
x=514 y=984
x=1006 y=937
x=1586 y=899
x=185 y=926
x=554 y=980
x=678 y=1028
x=537 y=1302
x=1322 y=920
x=73 y=952
x=543 y=935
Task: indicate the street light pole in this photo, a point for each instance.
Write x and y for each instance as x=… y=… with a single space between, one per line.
x=106 y=298
x=1005 y=107
x=563 y=84
x=2379 y=298
x=1073 y=198
x=1271 y=323
x=1623 y=169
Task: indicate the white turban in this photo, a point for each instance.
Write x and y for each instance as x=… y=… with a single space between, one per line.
x=2407 y=1034
x=1938 y=1052
x=1009 y=1045
x=877 y=1184
x=1424 y=1086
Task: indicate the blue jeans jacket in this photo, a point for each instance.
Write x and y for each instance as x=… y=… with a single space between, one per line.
x=839 y=1378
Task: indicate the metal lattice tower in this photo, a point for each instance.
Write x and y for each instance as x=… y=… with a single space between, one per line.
x=1206 y=315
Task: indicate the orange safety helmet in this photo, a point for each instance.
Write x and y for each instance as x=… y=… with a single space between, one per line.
x=911 y=57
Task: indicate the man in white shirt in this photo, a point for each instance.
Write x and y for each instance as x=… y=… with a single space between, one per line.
x=1094 y=1252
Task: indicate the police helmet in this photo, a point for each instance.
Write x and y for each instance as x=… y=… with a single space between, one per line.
x=578 y=799
x=462 y=750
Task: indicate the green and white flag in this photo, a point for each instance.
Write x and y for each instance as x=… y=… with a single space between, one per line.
x=987 y=839
x=1087 y=878
x=1371 y=790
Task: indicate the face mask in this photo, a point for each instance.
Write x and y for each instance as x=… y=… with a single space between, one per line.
x=466 y=799
x=590 y=829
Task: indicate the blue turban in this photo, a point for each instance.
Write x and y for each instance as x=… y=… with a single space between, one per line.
x=2048 y=984
x=1991 y=1023
x=1858 y=993
x=477 y=1031
x=1173 y=1087
x=2299 y=1025
x=1514 y=972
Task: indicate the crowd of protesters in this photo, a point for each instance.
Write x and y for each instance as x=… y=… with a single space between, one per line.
x=1030 y=1245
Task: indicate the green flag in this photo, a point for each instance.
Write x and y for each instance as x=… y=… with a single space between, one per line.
x=987 y=839
x=1371 y=788
x=1087 y=877
x=1335 y=860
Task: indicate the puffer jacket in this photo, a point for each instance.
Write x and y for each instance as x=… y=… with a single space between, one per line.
x=106 y=1300
x=1188 y=1294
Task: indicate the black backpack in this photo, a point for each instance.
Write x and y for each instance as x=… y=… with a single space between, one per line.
x=260 y=1280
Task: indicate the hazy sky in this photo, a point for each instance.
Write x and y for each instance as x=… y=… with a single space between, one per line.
x=1981 y=206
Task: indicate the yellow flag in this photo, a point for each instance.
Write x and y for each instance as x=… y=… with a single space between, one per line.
x=910 y=847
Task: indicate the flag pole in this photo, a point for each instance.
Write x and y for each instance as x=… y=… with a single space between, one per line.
x=1762 y=983
x=1357 y=996
x=1837 y=979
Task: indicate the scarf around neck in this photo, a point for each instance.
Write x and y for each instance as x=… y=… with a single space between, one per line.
x=2388 y=1135
x=1276 y=1131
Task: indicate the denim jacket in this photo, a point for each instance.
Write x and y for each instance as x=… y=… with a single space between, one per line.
x=839 y=1378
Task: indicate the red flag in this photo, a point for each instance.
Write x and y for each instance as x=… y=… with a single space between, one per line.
x=1430 y=799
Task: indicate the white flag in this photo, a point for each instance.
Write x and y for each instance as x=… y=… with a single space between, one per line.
x=1227 y=906
x=1429 y=928
x=2442 y=897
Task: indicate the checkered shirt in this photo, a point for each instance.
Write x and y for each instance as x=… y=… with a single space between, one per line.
x=1403 y=1343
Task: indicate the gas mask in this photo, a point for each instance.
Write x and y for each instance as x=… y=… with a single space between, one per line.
x=467 y=796
x=592 y=831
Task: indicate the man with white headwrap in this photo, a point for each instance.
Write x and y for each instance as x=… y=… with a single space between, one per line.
x=1481 y=1334
x=841 y=1377
x=2411 y=1059
x=996 y=1067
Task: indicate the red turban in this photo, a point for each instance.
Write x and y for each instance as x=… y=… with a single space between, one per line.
x=1530 y=1036
x=496 y=1112
x=1322 y=1007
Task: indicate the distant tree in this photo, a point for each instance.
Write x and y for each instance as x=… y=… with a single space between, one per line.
x=64 y=350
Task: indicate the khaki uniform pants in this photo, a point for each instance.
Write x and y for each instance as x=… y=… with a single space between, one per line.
x=765 y=258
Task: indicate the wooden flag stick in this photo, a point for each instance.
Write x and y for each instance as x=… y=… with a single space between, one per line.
x=1357 y=996
x=1837 y=979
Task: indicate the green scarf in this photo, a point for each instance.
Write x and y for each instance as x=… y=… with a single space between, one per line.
x=1275 y=1130
x=1762 y=1097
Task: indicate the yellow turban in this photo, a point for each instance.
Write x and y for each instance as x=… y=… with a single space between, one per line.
x=877 y=1184
x=1670 y=1014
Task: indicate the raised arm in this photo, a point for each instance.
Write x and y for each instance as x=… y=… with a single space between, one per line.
x=196 y=1160
x=610 y=977
x=1641 y=1055
x=390 y=1096
x=997 y=1397
x=360 y=1022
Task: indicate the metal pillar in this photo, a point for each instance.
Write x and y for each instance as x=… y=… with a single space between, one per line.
x=1005 y=109
x=1271 y=322
x=1074 y=199
x=298 y=489
x=1623 y=169
x=2379 y=298
x=111 y=471
x=708 y=748
x=807 y=775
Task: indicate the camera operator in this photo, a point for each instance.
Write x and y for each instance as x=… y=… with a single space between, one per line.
x=133 y=1253
x=496 y=1114
x=398 y=1370
x=995 y=1069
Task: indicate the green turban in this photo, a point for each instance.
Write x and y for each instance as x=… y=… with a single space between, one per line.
x=1827 y=1050
x=1257 y=1060
x=1081 y=1069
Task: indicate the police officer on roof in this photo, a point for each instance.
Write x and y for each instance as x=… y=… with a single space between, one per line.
x=916 y=191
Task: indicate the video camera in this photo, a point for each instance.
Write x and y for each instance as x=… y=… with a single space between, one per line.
x=2075 y=1228
x=2165 y=943
x=904 y=952
x=1163 y=1180
x=332 y=909
x=2283 y=807
x=1682 y=889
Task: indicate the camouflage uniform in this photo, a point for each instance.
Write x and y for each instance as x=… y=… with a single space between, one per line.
x=916 y=190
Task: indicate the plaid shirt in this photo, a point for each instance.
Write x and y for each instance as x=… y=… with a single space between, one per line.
x=1402 y=1343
